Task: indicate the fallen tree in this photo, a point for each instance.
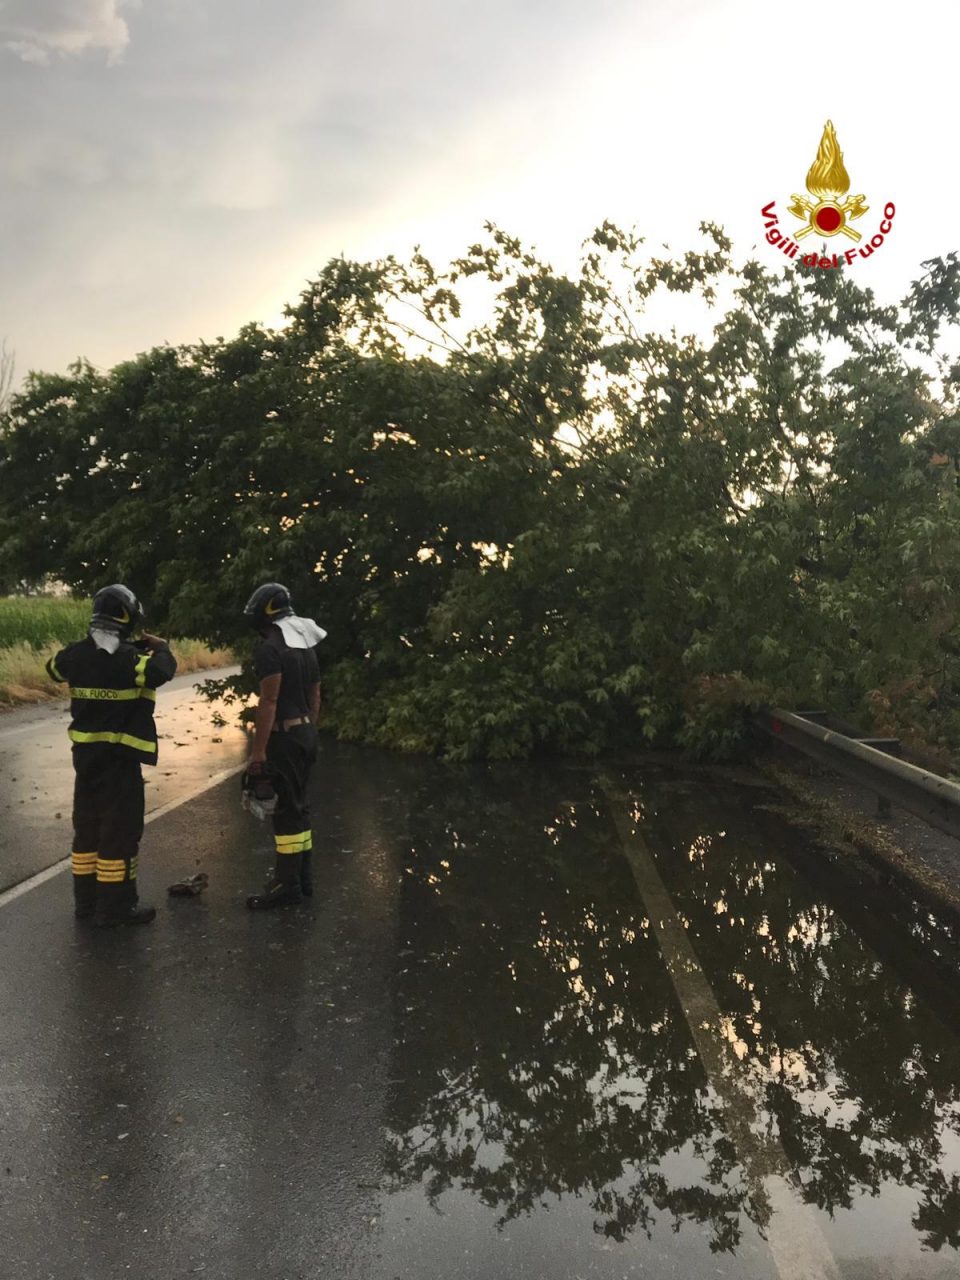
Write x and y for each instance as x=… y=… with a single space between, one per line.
x=553 y=529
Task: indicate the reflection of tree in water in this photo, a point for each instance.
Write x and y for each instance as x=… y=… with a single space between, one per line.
x=861 y=1081
x=938 y=1216
x=543 y=1052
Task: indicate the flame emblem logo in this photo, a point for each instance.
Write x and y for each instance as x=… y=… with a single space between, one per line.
x=828 y=182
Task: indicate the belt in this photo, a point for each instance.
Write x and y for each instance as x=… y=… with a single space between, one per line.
x=290 y=724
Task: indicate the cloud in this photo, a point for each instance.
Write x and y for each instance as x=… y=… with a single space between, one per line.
x=230 y=154
x=40 y=30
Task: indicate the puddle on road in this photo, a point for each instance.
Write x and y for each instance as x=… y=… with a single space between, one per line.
x=550 y=1113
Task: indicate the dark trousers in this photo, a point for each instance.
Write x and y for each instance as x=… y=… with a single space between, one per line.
x=290 y=757
x=107 y=827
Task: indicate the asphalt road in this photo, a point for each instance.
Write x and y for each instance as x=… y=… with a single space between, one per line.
x=539 y=1022
x=36 y=771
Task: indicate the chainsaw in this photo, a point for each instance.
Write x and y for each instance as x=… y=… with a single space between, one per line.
x=258 y=795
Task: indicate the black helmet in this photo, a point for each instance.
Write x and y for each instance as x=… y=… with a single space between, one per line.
x=116 y=608
x=268 y=604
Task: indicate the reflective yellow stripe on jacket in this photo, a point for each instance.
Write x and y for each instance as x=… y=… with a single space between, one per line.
x=114 y=695
x=141 y=669
x=126 y=739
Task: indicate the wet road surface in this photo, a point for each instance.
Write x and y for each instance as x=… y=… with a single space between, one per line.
x=37 y=772
x=540 y=1021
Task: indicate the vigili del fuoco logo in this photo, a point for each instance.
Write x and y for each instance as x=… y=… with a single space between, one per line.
x=830 y=212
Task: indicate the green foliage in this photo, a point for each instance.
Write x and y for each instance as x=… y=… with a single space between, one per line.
x=555 y=529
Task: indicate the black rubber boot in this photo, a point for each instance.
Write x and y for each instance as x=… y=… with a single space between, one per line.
x=306 y=874
x=278 y=893
x=118 y=904
x=84 y=896
x=135 y=914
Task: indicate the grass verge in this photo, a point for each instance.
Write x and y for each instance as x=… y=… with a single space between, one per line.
x=24 y=679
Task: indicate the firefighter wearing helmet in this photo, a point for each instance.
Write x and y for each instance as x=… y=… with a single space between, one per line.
x=285 y=738
x=113 y=681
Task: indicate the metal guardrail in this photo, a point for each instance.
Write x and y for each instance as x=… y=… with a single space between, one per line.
x=870 y=762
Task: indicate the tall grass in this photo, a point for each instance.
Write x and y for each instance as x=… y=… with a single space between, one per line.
x=32 y=629
x=39 y=620
x=23 y=676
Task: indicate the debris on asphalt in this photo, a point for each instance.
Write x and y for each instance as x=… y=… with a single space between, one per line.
x=189 y=886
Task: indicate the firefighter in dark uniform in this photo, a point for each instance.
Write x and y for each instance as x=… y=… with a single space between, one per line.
x=113 y=682
x=285 y=738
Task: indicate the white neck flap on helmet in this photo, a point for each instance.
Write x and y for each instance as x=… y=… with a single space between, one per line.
x=109 y=641
x=300 y=633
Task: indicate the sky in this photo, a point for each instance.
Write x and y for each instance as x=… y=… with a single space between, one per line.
x=172 y=169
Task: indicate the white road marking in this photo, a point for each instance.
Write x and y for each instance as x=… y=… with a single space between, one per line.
x=9 y=895
x=212 y=781
x=18 y=890
x=799 y=1248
